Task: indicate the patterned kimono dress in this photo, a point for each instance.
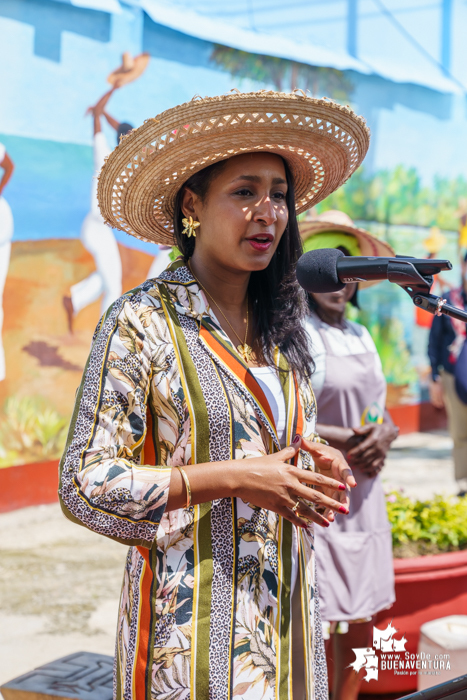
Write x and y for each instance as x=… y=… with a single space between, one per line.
x=205 y=610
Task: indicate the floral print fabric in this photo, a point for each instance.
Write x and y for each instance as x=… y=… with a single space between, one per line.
x=205 y=610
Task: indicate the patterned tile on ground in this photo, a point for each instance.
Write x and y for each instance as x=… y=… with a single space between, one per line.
x=80 y=676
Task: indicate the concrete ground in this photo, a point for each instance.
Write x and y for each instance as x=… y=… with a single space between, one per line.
x=60 y=583
x=421 y=465
x=59 y=589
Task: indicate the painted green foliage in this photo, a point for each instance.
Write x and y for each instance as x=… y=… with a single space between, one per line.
x=398 y=197
x=30 y=431
x=392 y=349
x=283 y=74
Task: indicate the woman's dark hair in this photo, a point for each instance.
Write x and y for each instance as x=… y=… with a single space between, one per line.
x=353 y=299
x=279 y=303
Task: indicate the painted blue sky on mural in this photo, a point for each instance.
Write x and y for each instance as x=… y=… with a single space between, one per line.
x=59 y=55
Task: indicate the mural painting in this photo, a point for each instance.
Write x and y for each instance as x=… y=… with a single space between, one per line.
x=61 y=266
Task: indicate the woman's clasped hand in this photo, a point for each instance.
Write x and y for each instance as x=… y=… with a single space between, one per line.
x=273 y=483
x=374 y=442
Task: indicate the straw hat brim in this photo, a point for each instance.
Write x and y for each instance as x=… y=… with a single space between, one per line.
x=140 y=63
x=322 y=142
x=369 y=245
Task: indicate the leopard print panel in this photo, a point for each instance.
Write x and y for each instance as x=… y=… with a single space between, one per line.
x=181 y=274
x=223 y=546
x=320 y=673
x=233 y=383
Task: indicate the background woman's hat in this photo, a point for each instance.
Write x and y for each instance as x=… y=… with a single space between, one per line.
x=323 y=143
x=435 y=241
x=130 y=69
x=334 y=229
x=461 y=207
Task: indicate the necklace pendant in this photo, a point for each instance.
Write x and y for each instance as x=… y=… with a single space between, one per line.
x=245 y=351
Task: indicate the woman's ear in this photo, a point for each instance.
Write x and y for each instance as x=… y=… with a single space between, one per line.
x=190 y=204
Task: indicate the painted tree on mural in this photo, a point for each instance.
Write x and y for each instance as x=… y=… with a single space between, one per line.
x=398 y=196
x=283 y=74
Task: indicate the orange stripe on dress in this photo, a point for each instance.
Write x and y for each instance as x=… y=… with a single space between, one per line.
x=298 y=413
x=149 y=449
x=142 y=669
x=240 y=370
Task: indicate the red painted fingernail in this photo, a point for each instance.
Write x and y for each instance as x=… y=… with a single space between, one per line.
x=296 y=439
x=326 y=524
x=343 y=510
x=341 y=487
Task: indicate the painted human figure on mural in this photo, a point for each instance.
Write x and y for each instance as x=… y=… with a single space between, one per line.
x=97 y=238
x=6 y=234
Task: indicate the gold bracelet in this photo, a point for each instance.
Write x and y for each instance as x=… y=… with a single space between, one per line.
x=187 y=484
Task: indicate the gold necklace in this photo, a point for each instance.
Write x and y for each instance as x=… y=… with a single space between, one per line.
x=244 y=350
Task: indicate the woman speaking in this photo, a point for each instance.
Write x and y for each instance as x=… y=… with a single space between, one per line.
x=193 y=436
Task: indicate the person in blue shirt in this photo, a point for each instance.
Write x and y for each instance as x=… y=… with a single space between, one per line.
x=446 y=339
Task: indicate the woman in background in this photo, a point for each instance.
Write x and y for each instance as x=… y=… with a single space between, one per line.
x=354 y=558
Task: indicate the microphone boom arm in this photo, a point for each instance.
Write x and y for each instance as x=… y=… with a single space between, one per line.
x=418 y=286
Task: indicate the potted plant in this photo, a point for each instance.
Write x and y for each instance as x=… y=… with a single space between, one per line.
x=430 y=566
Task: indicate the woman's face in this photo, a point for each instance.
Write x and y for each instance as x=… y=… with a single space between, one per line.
x=244 y=213
x=333 y=303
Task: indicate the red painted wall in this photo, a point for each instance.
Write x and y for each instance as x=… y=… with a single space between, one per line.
x=28 y=485
x=417 y=417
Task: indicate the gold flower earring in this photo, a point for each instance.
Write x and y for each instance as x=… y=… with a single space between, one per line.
x=190 y=227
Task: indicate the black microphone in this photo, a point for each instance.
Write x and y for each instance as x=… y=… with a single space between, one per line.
x=328 y=269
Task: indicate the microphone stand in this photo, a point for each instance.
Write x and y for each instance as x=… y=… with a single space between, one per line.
x=417 y=286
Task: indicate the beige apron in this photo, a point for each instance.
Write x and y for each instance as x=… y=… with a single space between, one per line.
x=354 y=555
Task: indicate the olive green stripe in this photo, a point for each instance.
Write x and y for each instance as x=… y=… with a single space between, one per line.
x=152 y=627
x=196 y=396
x=118 y=693
x=203 y=614
x=305 y=621
x=284 y=604
x=284 y=378
x=284 y=374
x=202 y=537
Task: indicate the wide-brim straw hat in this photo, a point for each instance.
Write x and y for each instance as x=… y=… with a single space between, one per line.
x=130 y=70
x=323 y=143
x=337 y=222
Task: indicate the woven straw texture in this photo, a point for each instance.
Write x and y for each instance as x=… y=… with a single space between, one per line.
x=322 y=141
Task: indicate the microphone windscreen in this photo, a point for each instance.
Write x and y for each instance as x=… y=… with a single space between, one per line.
x=317 y=271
